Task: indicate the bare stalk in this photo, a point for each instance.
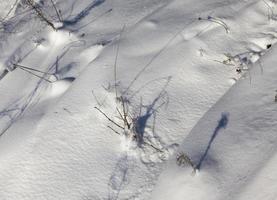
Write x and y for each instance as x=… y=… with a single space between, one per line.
x=56 y=10
x=9 y=12
x=114 y=130
x=29 y=68
x=115 y=61
x=40 y=13
x=96 y=99
x=41 y=77
x=109 y=118
x=151 y=145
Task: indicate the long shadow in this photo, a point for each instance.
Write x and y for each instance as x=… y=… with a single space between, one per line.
x=3 y=74
x=94 y=20
x=20 y=109
x=16 y=110
x=83 y=13
x=142 y=120
x=17 y=57
x=222 y=124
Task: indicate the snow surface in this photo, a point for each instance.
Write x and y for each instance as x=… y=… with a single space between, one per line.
x=198 y=77
x=7 y=9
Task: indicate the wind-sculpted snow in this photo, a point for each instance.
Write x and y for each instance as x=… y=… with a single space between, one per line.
x=100 y=104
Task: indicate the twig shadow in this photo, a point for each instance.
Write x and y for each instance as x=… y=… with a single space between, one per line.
x=142 y=119
x=83 y=13
x=222 y=124
x=16 y=110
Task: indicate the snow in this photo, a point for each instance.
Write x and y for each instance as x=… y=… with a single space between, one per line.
x=195 y=76
x=241 y=152
x=7 y=9
x=59 y=87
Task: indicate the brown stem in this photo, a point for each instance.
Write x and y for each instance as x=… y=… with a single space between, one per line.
x=109 y=118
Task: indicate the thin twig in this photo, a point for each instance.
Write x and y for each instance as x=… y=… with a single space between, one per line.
x=269 y=8
x=125 y=113
x=152 y=60
x=149 y=144
x=9 y=12
x=144 y=85
x=58 y=14
x=29 y=68
x=96 y=99
x=114 y=130
x=115 y=61
x=217 y=21
x=34 y=74
x=40 y=14
x=121 y=117
x=109 y=118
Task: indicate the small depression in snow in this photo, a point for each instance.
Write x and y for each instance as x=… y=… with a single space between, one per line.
x=59 y=87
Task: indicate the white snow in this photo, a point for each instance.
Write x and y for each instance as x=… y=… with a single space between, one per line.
x=7 y=9
x=59 y=87
x=196 y=77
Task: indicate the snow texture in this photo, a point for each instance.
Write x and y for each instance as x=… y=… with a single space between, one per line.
x=99 y=98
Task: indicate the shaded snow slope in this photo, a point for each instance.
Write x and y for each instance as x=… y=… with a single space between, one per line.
x=174 y=62
x=239 y=163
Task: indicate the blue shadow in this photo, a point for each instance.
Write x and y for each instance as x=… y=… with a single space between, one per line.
x=222 y=124
x=83 y=13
